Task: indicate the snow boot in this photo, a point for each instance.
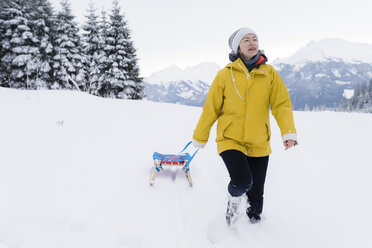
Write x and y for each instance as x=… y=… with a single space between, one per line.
x=254 y=216
x=232 y=209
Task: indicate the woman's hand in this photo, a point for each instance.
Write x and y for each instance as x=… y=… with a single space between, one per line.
x=289 y=143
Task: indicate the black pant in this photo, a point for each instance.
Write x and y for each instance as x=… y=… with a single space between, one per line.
x=247 y=176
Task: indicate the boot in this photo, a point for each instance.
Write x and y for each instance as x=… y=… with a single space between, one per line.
x=254 y=216
x=232 y=209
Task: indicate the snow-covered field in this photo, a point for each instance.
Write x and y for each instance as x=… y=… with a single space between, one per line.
x=75 y=170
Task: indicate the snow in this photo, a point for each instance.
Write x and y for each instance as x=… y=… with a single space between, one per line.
x=27 y=35
x=186 y=93
x=21 y=49
x=21 y=59
x=348 y=94
x=16 y=40
x=342 y=82
x=320 y=75
x=330 y=49
x=23 y=27
x=75 y=171
x=336 y=73
x=353 y=71
x=204 y=72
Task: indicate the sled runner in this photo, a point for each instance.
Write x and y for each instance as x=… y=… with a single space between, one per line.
x=181 y=159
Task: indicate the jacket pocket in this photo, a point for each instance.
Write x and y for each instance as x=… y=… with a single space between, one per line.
x=222 y=129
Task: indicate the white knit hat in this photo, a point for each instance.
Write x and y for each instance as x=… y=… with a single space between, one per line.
x=237 y=36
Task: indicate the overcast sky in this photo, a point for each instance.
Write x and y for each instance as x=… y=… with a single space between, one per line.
x=188 y=32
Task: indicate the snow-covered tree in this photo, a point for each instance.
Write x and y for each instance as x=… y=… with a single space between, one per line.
x=122 y=72
x=5 y=16
x=69 y=60
x=18 y=46
x=320 y=108
x=307 y=108
x=101 y=87
x=344 y=105
x=25 y=43
x=354 y=101
x=360 y=97
x=361 y=100
x=42 y=23
x=39 y=49
x=91 y=38
x=369 y=96
x=364 y=97
x=370 y=92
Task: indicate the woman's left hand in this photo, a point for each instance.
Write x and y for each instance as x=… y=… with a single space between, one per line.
x=289 y=143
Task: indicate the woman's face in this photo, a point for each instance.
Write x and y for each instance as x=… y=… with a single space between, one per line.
x=248 y=47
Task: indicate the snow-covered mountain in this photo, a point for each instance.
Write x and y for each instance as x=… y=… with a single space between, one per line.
x=322 y=72
x=190 y=93
x=204 y=72
x=187 y=86
x=331 y=49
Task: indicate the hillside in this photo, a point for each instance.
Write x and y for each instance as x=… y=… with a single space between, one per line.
x=75 y=170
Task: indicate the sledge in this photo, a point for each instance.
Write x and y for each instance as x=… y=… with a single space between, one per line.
x=180 y=159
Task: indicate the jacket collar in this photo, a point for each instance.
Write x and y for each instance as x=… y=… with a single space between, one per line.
x=239 y=66
x=262 y=59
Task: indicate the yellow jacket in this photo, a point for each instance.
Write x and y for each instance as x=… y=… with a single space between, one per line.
x=241 y=101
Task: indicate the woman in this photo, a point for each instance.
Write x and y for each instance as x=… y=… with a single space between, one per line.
x=240 y=98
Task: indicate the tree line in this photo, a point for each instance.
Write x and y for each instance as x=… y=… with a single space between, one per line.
x=361 y=101
x=44 y=49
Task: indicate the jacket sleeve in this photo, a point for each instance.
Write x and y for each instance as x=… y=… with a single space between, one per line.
x=211 y=110
x=281 y=108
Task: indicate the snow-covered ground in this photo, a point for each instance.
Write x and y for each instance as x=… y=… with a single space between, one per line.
x=75 y=170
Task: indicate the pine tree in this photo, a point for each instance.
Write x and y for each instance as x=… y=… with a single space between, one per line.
x=306 y=108
x=19 y=47
x=69 y=60
x=42 y=22
x=25 y=43
x=92 y=48
x=122 y=73
x=363 y=99
x=370 y=95
x=344 y=105
x=103 y=87
x=354 y=102
x=5 y=16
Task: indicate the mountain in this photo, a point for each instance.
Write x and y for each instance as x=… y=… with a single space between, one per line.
x=204 y=72
x=322 y=72
x=318 y=74
x=187 y=86
x=333 y=49
x=190 y=93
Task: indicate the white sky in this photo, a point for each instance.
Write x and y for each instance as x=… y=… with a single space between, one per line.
x=188 y=32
